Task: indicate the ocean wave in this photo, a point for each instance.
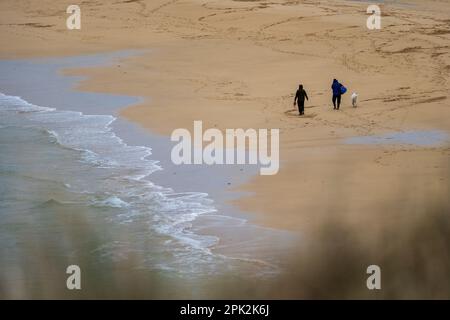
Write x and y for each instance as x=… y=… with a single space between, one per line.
x=17 y=104
x=50 y=204
x=112 y=201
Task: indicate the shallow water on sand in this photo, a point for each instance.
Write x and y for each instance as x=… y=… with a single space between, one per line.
x=418 y=138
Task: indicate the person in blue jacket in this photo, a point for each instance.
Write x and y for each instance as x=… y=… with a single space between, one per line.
x=336 y=87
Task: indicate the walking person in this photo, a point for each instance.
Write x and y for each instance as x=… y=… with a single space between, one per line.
x=300 y=96
x=336 y=87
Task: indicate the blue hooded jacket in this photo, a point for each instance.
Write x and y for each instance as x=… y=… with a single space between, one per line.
x=336 y=86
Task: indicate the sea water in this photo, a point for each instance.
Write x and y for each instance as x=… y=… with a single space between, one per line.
x=50 y=157
x=62 y=165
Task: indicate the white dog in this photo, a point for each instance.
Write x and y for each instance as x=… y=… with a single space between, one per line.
x=354 y=99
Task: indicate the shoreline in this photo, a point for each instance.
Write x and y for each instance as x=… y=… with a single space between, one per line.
x=231 y=227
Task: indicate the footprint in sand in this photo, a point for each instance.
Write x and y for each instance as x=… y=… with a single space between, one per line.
x=294 y=114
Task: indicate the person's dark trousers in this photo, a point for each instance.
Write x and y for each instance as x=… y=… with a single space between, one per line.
x=301 y=107
x=337 y=101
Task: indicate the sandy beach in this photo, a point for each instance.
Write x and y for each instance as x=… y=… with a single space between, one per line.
x=237 y=64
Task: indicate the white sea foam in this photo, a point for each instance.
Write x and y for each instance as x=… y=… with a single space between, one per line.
x=112 y=201
x=17 y=104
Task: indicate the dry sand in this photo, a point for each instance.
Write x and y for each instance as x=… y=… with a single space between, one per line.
x=237 y=64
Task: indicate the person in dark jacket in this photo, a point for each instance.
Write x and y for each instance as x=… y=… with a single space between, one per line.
x=300 y=96
x=336 y=87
